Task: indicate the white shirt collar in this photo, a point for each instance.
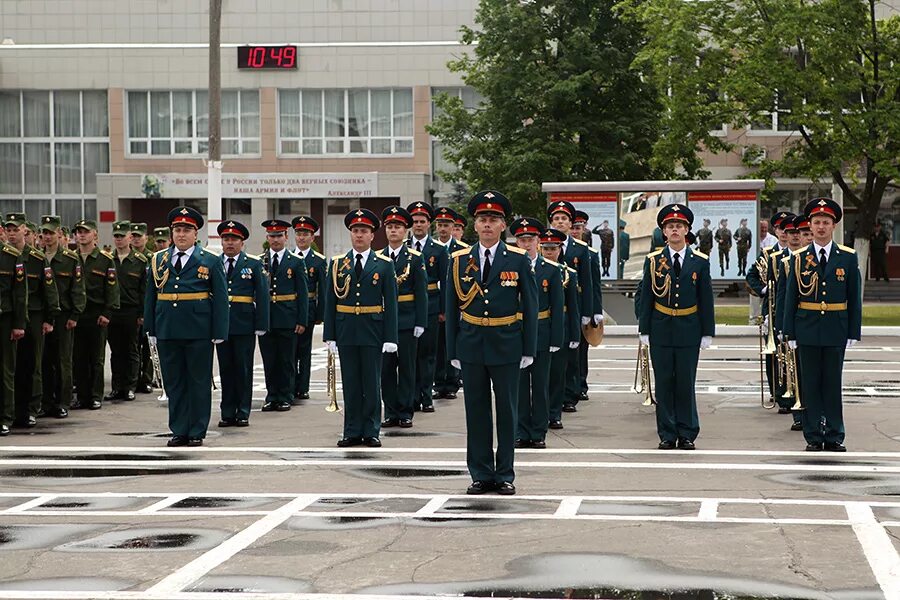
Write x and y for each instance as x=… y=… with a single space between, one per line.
x=827 y=247
x=391 y=250
x=493 y=250
x=279 y=254
x=225 y=257
x=365 y=255
x=303 y=253
x=423 y=240
x=681 y=253
x=187 y=254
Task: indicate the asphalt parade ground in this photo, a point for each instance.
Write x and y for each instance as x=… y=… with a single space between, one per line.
x=96 y=506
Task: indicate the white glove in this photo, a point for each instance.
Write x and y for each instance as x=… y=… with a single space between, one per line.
x=418 y=331
x=554 y=349
x=705 y=342
x=780 y=337
x=598 y=319
x=792 y=344
x=763 y=292
x=585 y=321
x=851 y=343
x=260 y=332
x=765 y=322
x=573 y=345
x=456 y=364
x=389 y=347
x=332 y=347
x=645 y=339
x=217 y=341
x=152 y=339
x=526 y=362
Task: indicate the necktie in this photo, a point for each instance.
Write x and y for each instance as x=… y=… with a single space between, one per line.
x=274 y=263
x=822 y=259
x=393 y=256
x=358 y=267
x=178 y=264
x=418 y=246
x=486 y=271
x=230 y=269
x=677 y=266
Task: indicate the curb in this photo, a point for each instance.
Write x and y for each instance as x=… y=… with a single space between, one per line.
x=746 y=331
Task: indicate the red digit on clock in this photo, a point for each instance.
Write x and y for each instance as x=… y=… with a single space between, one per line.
x=290 y=57
x=275 y=55
x=257 y=57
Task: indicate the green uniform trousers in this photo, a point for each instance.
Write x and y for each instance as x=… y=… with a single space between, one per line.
x=583 y=365
x=361 y=380
x=90 y=360
x=446 y=376
x=557 y=382
x=57 y=361
x=573 y=375
x=820 y=381
x=124 y=351
x=426 y=359
x=187 y=370
x=304 y=361
x=8 y=360
x=279 y=350
x=145 y=377
x=29 y=378
x=675 y=374
x=534 y=392
x=477 y=381
x=398 y=377
x=236 y=374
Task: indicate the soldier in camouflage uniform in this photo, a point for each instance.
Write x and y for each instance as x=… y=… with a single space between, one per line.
x=139 y=242
x=126 y=321
x=13 y=315
x=743 y=238
x=724 y=241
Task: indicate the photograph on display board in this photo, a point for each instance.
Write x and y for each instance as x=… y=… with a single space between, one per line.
x=600 y=231
x=724 y=226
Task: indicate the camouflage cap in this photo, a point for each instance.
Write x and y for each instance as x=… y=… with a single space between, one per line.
x=140 y=228
x=50 y=223
x=15 y=218
x=32 y=226
x=121 y=227
x=88 y=224
x=161 y=233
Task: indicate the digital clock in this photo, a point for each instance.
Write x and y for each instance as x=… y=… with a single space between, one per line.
x=267 y=57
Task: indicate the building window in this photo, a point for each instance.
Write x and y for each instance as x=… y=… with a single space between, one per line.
x=471 y=100
x=345 y=122
x=168 y=123
x=52 y=146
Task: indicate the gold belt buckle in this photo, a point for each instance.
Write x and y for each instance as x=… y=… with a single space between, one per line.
x=175 y=297
x=357 y=310
x=485 y=321
x=823 y=306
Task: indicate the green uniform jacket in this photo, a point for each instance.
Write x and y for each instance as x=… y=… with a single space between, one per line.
x=132 y=275
x=100 y=282
x=784 y=271
x=454 y=244
x=596 y=283
x=248 y=279
x=743 y=238
x=511 y=289
x=839 y=284
x=436 y=259
x=552 y=327
x=188 y=319
x=289 y=280
x=69 y=282
x=316 y=277
x=43 y=296
x=13 y=289
x=660 y=289
x=578 y=256
x=376 y=288
x=573 y=317
x=412 y=288
x=624 y=246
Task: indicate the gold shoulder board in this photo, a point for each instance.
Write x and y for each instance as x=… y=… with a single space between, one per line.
x=550 y=262
x=414 y=252
x=11 y=250
x=37 y=253
x=846 y=248
x=320 y=255
x=69 y=253
x=655 y=253
x=463 y=244
x=462 y=252
x=583 y=243
x=107 y=255
x=516 y=249
x=701 y=254
x=798 y=252
x=141 y=257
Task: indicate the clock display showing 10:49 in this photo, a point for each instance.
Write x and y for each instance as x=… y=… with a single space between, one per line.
x=267 y=57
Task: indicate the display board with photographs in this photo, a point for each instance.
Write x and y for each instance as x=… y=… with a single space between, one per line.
x=602 y=209
x=726 y=230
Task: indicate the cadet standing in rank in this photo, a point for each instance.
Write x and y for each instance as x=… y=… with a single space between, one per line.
x=305 y=228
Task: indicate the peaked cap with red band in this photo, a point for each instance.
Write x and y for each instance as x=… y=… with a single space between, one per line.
x=362 y=216
x=823 y=206
x=445 y=214
x=489 y=202
x=459 y=220
x=274 y=226
x=789 y=224
x=552 y=237
x=674 y=212
x=562 y=206
x=421 y=208
x=527 y=226
x=185 y=215
x=801 y=223
x=396 y=214
x=778 y=218
x=304 y=223
x=234 y=228
x=581 y=217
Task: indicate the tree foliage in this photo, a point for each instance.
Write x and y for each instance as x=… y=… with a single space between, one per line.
x=561 y=100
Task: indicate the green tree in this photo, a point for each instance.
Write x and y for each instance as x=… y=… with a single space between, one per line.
x=561 y=101
x=830 y=69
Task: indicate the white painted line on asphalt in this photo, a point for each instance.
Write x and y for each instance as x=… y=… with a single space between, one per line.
x=432 y=506
x=164 y=503
x=568 y=507
x=709 y=510
x=878 y=548
x=211 y=559
x=30 y=504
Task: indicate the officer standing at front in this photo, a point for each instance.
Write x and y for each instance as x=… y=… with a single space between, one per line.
x=822 y=319
x=436 y=258
x=361 y=325
x=248 y=317
x=305 y=228
x=13 y=317
x=489 y=286
x=185 y=314
x=398 y=372
x=676 y=319
x=288 y=316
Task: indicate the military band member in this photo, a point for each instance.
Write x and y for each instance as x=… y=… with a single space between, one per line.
x=577 y=255
x=58 y=344
x=361 y=325
x=822 y=318
x=534 y=380
x=126 y=321
x=436 y=258
x=139 y=241
x=161 y=238
x=398 y=371
x=248 y=318
x=724 y=241
x=743 y=238
x=288 y=316
x=705 y=238
x=459 y=226
x=489 y=286
x=43 y=307
x=101 y=288
x=580 y=229
x=677 y=321
x=305 y=228
x=13 y=318
x=185 y=314
x=446 y=377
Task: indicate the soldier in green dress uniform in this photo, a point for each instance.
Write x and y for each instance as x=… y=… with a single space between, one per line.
x=822 y=319
x=43 y=307
x=185 y=314
x=491 y=335
x=677 y=320
x=624 y=248
x=126 y=321
x=305 y=228
x=58 y=344
x=288 y=316
x=361 y=325
x=101 y=288
x=13 y=318
x=459 y=227
x=446 y=377
x=140 y=243
x=398 y=371
x=534 y=380
x=248 y=317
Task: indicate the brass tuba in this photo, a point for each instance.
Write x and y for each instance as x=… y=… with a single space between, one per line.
x=331 y=384
x=642 y=375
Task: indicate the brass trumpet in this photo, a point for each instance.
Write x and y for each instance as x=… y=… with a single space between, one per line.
x=792 y=385
x=642 y=375
x=331 y=384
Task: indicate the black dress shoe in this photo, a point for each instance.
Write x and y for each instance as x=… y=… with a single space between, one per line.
x=796 y=426
x=583 y=397
x=450 y=396
x=438 y=395
x=349 y=441
x=96 y=405
x=523 y=444
x=31 y=421
x=242 y=423
x=835 y=447
x=60 y=413
x=783 y=410
x=75 y=405
x=177 y=440
x=227 y=423
x=480 y=487
x=570 y=408
x=428 y=409
x=303 y=396
x=113 y=395
x=686 y=444
x=4 y=430
x=391 y=423
x=145 y=388
x=556 y=425
x=128 y=396
x=666 y=445
x=405 y=423
x=539 y=444
x=41 y=413
x=815 y=447
x=372 y=442
x=506 y=488
x=268 y=406
x=295 y=401
x=195 y=442
x=283 y=406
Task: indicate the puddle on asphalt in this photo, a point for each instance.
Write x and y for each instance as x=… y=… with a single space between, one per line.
x=401 y=433
x=87 y=504
x=99 y=456
x=237 y=584
x=408 y=472
x=614 y=577
x=843 y=484
x=332 y=455
x=32 y=537
x=159 y=539
x=92 y=472
x=338 y=523
x=369 y=505
x=497 y=505
x=66 y=584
